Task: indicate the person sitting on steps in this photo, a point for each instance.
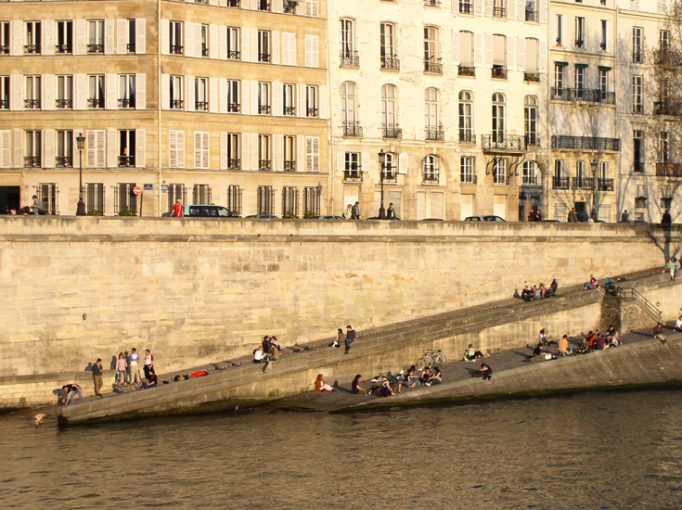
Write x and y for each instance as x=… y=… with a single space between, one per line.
x=472 y=354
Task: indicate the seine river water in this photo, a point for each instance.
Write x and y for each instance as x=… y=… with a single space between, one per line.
x=601 y=451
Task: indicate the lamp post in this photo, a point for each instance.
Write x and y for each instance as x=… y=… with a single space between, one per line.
x=318 y=188
x=595 y=189
x=382 y=170
x=80 y=210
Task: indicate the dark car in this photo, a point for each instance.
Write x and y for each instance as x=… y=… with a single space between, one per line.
x=327 y=218
x=391 y=219
x=261 y=217
x=488 y=217
x=209 y=211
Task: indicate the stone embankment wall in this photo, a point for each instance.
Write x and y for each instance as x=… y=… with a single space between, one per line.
x=198 y=291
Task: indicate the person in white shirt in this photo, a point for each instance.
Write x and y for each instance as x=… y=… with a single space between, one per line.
x=678 y=324
x=134 y=366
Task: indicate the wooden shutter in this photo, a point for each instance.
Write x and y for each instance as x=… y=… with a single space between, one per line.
x=141 y=36
x=479 y=50
x=509 y=64
x=245 y=97
x=277 y=93
x=18 y=148
x=17 y=44
x=47 y=27
x=122 y=36
x=110 y=88
x=141 y=91
x=223 y=151
x=81 y=37
x=109 y=32
x=48 y=148
x=222 y=43
x=278 y=142
x=403 y=162
x=276 y=41
x=324 y=101
x=213 y=42
x=181 y=148
x=140 y=148
x=165 y=92
x=246 y=151
x=111 y=148
x=222 y=95
x=213 y=95
x=47 y=94
x=300 y=100
x=197 y=149
x=172 y=148
x=521 y=55
x=80 y=94
x=5 y=148
x=165 y=37
x=190 y=105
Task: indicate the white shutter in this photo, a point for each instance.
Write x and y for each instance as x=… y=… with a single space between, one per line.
x=278 y=163
x=521 y=10
x=141 y=36
x=165 y=92
x=324 y=101
x=510 y=8
x=17 y=38
x=197 y=149
x=172 y=148
x=90 y=148
x=277 y=98
x=510 y=52
x=181 y=148
x=140 y=148
x=18 y=135
x=122 y=36
x=365 y=162
x=223 y=151
x=206 y=150
x=455 y=47
x=478 y=50
x=17 y=90
x=81 y=30
x=478 y=7
x=47 y=82
x=245 y=98
x=47 y=27
x=543 y=56
x=301 y=153
x=286 y=49
x=197 y=40
x=253 y=154
x=141 y=92
x=48 y=148
x=5 y=148
x=222 y=95
x=403 y=161
x=544 y=11
x=300 y=100
x=213 y=2
x=246 y=151
x=111 y=148
x=276 y=43
x=521 y=59
x=109 y=31
x=165 y=37
x=312 y=51
x=277 y=5
x=254 y=97
x=222 y=38
x=80 y=93
x=488 y=50
x=249 y=44
x=213 y=95
x=190 y=105
x=110 y=91
x=213 y=42
x=189 y=43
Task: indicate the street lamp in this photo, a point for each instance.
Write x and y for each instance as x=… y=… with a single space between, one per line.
x=318 y=188
x=80 y=210
x=382 y=170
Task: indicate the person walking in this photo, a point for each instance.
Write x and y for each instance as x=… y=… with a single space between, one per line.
x=134 y=366
x=350 y=337
x=178 y=209
x=97 y=370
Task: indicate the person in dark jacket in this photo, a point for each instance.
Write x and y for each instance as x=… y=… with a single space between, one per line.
x=350 y=337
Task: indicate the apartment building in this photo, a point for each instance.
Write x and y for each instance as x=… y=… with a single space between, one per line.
x=218 y=101
x=440 y=104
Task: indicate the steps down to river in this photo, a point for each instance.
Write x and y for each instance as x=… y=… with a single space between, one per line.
x=506 y=324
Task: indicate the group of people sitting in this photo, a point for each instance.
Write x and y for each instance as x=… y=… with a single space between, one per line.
x=536 y=292
x=269 y=350
x=471 y=354
x=390 y=385
x=596 y=341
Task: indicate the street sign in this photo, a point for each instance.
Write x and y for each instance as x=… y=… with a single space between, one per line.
x=137 y=191
x=148 y=187
x=164 y=188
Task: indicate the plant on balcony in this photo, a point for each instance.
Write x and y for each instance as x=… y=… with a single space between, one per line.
x=126 y=212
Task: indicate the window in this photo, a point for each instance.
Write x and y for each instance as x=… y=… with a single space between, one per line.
x=125 y=200
x=289 y=202
x=664 y=147
x=96 y=36
x=264 y=152
x=431 y=51
x=349 y=107
x=233 y=101
x=234 y=198
x=431 y=168
x=579 y=32
x=289 y=99
x=64 y=157
x=604 y=34
x=131 y=36
x=559 y=29
x=312 y=7
x=387 y=47
x=33 y=155
x=264 y=98
x=389 y=167
x=499 y=56
x=580 y=173
x=531 y=12
x=351 y=166
x=638 y=150
x=529 y=174
x=466 y=130
x=4 y=92
x=32 y=99
x=311 y=201
x=201 y=94
x=664 y=39
x=312 y=154
x=202 y=149
x=289 y=153
x=640 y=202
x=467 y=173
x=265 y=203
x=47 y=196
x=177 y=101
x=264 y=46
x=498 y=124
x=289 y=6
x=580 y=79
x=126 y=147
x=637 y=100
x=530 y=120
x=233 y=47
x=466 y=54
x=175 y=40
x=176 y=145
x=465 y=7
x=431 y=118
x=499 y=8
x=4 y=37
x=499 y=171
x=603 y=82
x=637 y=50
x=126 y=91
x=263 y=5
x=560 y=178
x=233 y=149
x=64 y=37
x=311 y=102
x=389 y=114
x=559 y=76
x=201 y=194
x=203 y=34
x=32 y=40
x=94 y=198
x=349 y=57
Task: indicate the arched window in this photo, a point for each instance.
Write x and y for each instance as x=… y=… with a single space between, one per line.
x=530 y=174
x=389 y=110
x=349 y=104
x=431 y=119
x=431 y=50
x=431 y=168
x=530 y=120
x=466 y=121
x=498 y=117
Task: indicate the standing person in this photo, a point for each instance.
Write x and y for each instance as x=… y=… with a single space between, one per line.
x=134 y=365
x=348 y=212
x=670 y=267
x=625 y=217
x=355 y=212
x=572 y=216
x=390 y=212
x=178 y=210
x=148 y=362
x=35 y=207
x=121 y=369
x=97 y=370
x=350 y=337
x=666 y=219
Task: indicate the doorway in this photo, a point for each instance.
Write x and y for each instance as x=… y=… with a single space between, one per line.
x=581 y=211
x=10 y=198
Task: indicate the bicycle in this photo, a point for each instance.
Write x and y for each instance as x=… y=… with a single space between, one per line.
x=431 y=358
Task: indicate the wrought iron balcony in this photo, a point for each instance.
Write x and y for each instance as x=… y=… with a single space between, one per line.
x=126 y=102
x=532 y=15
x=431 y=177
x=4 y=104
x=32 y=104
x=95 y=48
x=583 y=183
x=392 y=132
x=234 y=55
x=504 y=143
x=500 y=179
x=466 y=70
x=264 y=164
x=560 y=183
x=176 y=49
x=499 y=12
x=352 y=129
x=289 y=110
x=233 y=3
x=580 y=43
x=668 y=169
x=390 y=176
x=63 y=162
x=604 y=184
x=433 y=66
x=587 y=95
x=312 y=112
x=177 y=104
x=465 y=7
x=204 y=51
x=499 y=71
x=668 y=108
x=587 y=143
x=352 y=175
x=31 y=49
x=289 y=165
x=32 y=161
x=201 y=106
x=467 y=136
x=390 y=63
x=63 y=48
x=96 y=102
x=350 y=59
x=234 y=163
x=126 y=161
x=264 y=57
x=435 y=133
x=531 y=77
x=4 y=49
x=233 y=107
x=432 y=3
x=130 y=47
x=468 y=178
x=264 y=109
x=532 y=140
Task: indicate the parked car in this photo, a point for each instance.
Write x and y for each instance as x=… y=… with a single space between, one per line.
x=209 y=211
x=327 y=218
x=390 y=219
x=488 y=217
x=261 y=217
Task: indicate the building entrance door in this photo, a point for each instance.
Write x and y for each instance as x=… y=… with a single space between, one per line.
x=581 y=211
x=9 y=198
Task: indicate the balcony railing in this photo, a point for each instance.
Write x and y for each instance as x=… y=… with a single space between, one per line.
x=350 y=59
x=432 y=3
x=433 y=66
x=501 y=179
x=465 y=7
x=532 y=140
x=580 y=43
x=126 y=161
x=264 y=109
x=587 y=95
x=264 y=57
x=263 y=5
x=667 y=108
x=502 y=142
x=63 y=104
x=390 y=63
x=466 y=136
x=95 y=102
x=668 y=169
x=32 y=161
x=605 y=184
x=32 y=104
x=352 y=129
x=431 y=177
x=392 y=132
x=176 y=49
x=499 y=72
x=234 y=163
x=201 y=106
x=532 y=15
x=435 y=133
x=126 y=102
x=666 y=56
x=177 y=104
x=312 y=112
x=264 y=164
x=63 y=48
x=4 y=49
x=234 y=55
x=590 y=143
x=289 y=165
x=499 y=12
x=560 y=183
x=289 y=111
x=31 y=49
x=130 y=47
x=466 y=70
x=352 y=175
x=234 y=108
x=4 y=104
x=63 y=162
x=289 y=6
x=233 y=3
x=95 y=48
x=583 y=183
x=468 y=178
x=204 y=51
x=390 y=176
x=531 y=77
